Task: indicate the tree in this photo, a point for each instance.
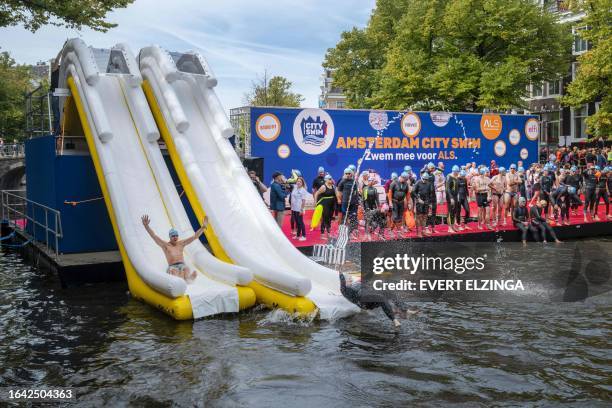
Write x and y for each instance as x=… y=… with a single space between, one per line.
x=449 y=54
x=33 y=14
x=273 y=92
x=594 y=79
x=15 y=81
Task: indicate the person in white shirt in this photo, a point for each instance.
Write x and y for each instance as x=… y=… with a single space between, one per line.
x=298 y=201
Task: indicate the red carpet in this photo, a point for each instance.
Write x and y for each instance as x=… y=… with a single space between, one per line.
x=314 y=237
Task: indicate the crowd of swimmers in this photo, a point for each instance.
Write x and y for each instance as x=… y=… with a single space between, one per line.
x=529 y=198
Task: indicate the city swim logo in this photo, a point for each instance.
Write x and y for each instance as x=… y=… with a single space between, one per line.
x=313 y=131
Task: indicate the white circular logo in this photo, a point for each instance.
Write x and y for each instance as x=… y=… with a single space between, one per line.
x=514 y=137
x=524 y=153
x=500 y=148
x=313 y=131
x=268 y=127
x=411 y=124
x=440 y=119
x=532 y=129
x=283 y=151
x=378 y=120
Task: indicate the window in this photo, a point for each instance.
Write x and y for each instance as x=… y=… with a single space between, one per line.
x=340 y=104
x=554 y=87
x=579 y=122
x=553 y=128
x=580 y=45
x=536 y=90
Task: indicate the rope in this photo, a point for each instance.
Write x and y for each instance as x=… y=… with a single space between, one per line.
x=75 y=203
x=17 y=245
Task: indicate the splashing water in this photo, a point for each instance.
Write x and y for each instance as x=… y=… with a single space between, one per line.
x=280 y=316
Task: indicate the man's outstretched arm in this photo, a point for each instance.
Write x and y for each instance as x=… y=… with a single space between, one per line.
x=146 y=221
x=197 y=234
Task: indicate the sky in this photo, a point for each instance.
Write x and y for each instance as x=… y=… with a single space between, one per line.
x=239 y=38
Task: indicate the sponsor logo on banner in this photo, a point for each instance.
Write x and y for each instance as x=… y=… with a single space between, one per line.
x=532 y=129
x=499 y=148
x=440 y=119
x=491 y=126
x=378 y=120
x=283 y=151
x=524 y=153
x=411 y=124
x=514 y=137
x=313 y=131
x=268 y=127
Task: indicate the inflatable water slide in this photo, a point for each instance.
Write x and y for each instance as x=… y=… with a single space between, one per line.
x=180 y=90
x=107 y=105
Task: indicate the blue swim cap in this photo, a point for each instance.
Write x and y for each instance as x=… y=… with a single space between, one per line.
x=502 y=169
x=173 y=233
x=521 y=169
x=430 y=165
x=404 y=174
x=393 y=175
x=352 y=167
x=573 y=168
x=408 y=169
x=463 y=173
x=327 y=177
x=571 y=190
x=425 y=175
x=483 y=170
x=348 y=170
x=455 y=169
x=297 y=173
x=321 y=169
x=513 y=166
x=597 y=168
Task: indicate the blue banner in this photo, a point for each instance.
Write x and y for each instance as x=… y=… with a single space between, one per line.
x=305 y=139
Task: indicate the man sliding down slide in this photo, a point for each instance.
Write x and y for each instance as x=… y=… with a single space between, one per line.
x=173 y=249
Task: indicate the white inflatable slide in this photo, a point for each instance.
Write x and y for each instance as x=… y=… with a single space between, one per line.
x=179 y=86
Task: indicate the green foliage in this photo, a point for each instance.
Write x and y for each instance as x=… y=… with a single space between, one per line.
x=593 y=81
x=15 y=81
x=273 y=92
x=68 y=13
x=449 y=54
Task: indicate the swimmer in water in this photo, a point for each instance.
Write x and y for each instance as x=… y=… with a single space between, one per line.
x=173 y=249
x=352 y=292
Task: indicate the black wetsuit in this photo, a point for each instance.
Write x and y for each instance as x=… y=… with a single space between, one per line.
x=422 y=191
x=590 y=185
x=327 y=199
x=462 y=196
x=519 y=216
x=452 y=200
x=349 y=208
x=521 y=187
x=540 y=222
x=399 y=191
x=562 y=198
x=602 y=192
x=574 y=180
x=546 y=184
x=370 y=208
x=353 y=294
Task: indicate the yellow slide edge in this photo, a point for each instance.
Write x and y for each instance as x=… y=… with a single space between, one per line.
x=179 y=308
x=267 y=296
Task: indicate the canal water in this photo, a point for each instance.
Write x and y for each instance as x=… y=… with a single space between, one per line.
x=116 y=351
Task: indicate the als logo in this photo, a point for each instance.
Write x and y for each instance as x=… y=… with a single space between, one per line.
x=313 y=131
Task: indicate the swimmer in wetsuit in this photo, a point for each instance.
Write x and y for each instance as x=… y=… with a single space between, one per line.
x=520 y=219
x=452 y=201
x=574 y=180
x=601 y=191
x=462 y=195
x=539 y=221
x=590 y=185
x=398 y=192
x=173 y=249
x=562 y=199
x=422 y=196
x=352 y=293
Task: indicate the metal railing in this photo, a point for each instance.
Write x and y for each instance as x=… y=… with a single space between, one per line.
x=36 y=221
x=13 y=150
